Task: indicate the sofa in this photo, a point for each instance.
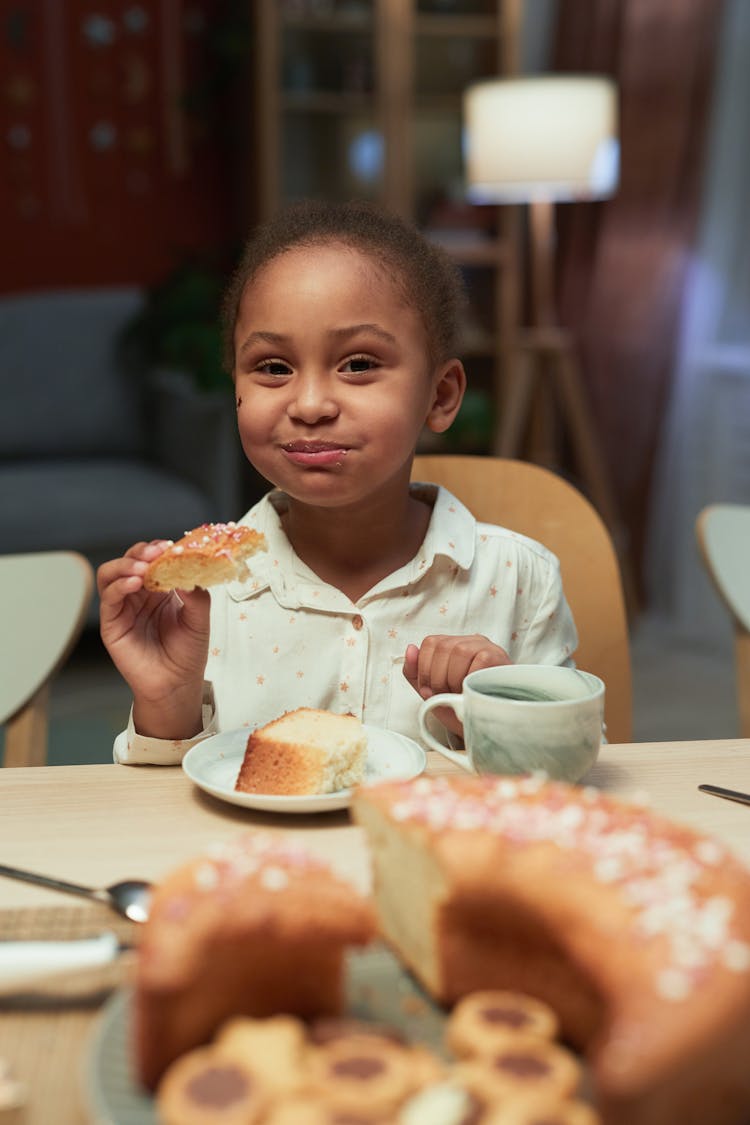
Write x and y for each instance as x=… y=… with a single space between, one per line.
x=93 y=458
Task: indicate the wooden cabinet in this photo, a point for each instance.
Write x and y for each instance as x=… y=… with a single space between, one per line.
x=362 y=98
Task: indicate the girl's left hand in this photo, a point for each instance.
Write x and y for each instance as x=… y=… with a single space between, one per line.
x=441 y=664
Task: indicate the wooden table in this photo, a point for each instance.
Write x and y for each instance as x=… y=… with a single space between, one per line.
x=99 y=824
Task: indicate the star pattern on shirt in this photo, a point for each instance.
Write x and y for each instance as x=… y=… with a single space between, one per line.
x=290 y=627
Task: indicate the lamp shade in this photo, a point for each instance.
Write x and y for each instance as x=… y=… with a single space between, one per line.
x=548 y=137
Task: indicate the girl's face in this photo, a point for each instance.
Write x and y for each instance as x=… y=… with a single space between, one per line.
x=332 y=375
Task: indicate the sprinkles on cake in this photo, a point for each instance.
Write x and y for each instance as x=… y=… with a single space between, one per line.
x=658 y=867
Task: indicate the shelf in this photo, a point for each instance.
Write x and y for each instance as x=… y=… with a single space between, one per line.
x=367 y=103
x=478 y=344
x=465 y=27
x=339 y=22
x=469 y=251
x=327 y=102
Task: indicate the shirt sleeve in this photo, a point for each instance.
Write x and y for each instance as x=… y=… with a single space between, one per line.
x=133 y=749
x=552 y=637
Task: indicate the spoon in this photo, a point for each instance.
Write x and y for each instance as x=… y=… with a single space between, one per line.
x=130 y=898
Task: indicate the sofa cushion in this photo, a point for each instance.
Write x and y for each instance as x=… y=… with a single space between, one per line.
x=61 y=387
x=97 y=506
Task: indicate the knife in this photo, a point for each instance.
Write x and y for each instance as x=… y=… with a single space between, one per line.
x=729 y=794
x=26 y=965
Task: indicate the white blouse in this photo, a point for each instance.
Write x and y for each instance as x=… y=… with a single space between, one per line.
x=285 y=639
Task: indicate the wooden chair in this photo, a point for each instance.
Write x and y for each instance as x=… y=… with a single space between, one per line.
x=43 y=602
x=538 y=503
x=723 y=534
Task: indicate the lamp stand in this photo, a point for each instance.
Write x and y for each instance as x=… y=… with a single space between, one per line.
x=544 y=378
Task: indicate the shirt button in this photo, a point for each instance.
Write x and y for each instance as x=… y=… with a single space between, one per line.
x=357 y=622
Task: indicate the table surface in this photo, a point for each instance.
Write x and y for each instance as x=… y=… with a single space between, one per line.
x=99 y=824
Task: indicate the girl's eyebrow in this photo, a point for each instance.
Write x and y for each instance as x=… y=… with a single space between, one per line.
x=355 y=329
x=263 y=338
x=277 y=339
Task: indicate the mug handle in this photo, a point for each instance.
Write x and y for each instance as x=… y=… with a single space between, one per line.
x=456 y=704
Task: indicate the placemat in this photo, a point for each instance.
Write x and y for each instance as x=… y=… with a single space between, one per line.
x=44 y=1033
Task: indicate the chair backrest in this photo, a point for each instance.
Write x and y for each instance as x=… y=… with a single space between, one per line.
x=723 y=535
x=538 y=503
x=43 y=601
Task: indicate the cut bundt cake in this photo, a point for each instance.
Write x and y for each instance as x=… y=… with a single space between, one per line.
x=635 y=930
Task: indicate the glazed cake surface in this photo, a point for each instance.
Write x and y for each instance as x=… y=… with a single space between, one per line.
x=206 y=556
x=257 y=927
x=636 y=930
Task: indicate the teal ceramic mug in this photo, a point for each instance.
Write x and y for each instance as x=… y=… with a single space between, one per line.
x=519 y=718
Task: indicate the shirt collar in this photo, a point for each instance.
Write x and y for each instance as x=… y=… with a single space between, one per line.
x=451 y=533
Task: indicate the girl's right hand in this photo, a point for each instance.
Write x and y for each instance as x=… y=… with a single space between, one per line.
x=158 y=642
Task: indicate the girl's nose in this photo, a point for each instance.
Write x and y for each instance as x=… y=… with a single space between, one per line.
x=312 y=400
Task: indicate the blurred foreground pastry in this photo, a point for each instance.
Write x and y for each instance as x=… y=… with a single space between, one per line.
x=484 y=1021
x=257 y=928
x=204 y=1088
x=206 y=556
x=635 y=930
x=303 y=752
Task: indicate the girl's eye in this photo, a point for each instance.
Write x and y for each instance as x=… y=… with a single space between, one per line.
x=273 y=367
x=359 y=363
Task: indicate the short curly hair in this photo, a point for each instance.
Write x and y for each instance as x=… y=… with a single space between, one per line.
x=429 y=281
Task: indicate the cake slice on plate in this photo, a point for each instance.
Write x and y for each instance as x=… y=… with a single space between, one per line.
x=304 y=752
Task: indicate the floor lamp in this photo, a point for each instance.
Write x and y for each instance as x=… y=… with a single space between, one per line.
x=540 y=141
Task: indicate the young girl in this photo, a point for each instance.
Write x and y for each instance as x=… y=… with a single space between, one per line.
x=373 y=594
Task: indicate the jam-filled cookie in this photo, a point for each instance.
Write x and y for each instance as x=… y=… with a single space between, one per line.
x=205 y=1087
x=484 y=1021
x=524 y=1066
x=364 y=1072
x=274 y=1046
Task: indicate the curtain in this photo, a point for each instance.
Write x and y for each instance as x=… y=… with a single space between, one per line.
x=705 y=457
x=623 y=264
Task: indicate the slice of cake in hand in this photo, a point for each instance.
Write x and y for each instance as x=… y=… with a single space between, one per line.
x=634 y=929
x=259 y=927
x=206 y=556
x=304 y=752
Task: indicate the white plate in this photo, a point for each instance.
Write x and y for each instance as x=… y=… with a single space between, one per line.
x=213 y=766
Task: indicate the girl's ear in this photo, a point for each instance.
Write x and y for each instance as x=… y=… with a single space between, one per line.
x=449 y=387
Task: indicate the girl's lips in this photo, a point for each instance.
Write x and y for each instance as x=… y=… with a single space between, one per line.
x=314 y=453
